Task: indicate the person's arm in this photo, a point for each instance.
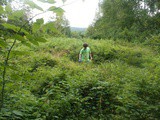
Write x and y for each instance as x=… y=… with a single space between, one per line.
x=91 y=56
x=80 y=56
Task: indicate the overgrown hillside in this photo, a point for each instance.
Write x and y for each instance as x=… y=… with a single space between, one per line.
x=48 y=82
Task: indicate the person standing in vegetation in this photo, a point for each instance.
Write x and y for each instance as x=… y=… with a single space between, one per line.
x=85 y=54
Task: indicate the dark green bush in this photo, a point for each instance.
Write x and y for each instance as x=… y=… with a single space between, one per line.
x=97 y=99
x=42 y=62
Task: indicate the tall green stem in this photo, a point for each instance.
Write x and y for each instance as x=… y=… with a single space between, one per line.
x=4 y=74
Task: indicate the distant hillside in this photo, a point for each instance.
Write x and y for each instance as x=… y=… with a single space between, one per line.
x=78 y=29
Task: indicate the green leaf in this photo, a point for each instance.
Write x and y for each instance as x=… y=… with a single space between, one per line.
x=36 y=26
x=59 y=11
x=16 y=14
x=49 y=26
x=48 y=1
x=8 y=8
x=25 y=32
x=1 y=9
x=30 y=37
x=18 y=113
x=51 y=1
x=1 y=65
x=12 y=67
x=52 y=8
x=34 y=42
x=19 y=53
x=40 y=21
x=12 y=27
x=18 y=37
x=40 y=39
x=16 y=52
x=2 y=43
x=33 y=5
x=26 y=43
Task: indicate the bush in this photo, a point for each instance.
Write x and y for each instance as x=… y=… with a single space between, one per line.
x=47 y=83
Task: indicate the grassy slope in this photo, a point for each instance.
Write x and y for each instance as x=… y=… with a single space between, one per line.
x=121 y=82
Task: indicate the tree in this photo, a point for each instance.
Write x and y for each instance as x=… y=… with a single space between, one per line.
x=126 y=19
x=62 y=24
x=13 y=24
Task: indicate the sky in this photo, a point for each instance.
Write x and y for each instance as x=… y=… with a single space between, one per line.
x=80 y=13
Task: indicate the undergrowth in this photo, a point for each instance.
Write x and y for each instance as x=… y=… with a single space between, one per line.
x=48 y=82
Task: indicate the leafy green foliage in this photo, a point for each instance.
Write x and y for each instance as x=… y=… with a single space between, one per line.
x=2 y=43
x=16 y=14
x=33 y=5
x=1 y=10
x=122 y=82
x=126 y=20
x=48 y=1
x=57 y=10
x=46 y=81
x=37 y=25
x=52 y=8
x=16 y=28
x=50 y=29
x=40 y=39
x=154 y=42
x=58 y=28
x=8 y=8
x=18 y=37
x=10 y=26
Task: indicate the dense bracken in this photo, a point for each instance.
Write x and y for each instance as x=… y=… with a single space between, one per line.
x=48 y=83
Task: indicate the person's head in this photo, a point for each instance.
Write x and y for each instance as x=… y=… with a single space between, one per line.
x=85 y=45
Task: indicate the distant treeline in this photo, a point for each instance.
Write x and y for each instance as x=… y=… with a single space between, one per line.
x=131 y=20
x=77 y=29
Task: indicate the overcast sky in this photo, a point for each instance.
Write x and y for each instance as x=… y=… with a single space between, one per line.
x=80 y=13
